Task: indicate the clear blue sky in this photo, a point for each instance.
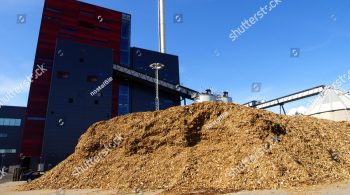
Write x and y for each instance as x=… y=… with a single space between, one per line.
x=208 y=57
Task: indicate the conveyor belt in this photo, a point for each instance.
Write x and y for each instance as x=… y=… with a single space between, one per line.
x=181 y=90
x=288 y=98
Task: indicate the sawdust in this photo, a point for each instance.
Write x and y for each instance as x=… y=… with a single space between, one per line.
x=187 y=149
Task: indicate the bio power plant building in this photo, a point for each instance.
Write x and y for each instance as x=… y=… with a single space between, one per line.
x=82 y=46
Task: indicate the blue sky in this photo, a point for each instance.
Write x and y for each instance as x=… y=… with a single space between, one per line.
x=208 y=57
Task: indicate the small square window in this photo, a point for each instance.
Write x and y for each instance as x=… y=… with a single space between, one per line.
x=7 y=122
x=3 y=134
x=81 y=60
x=63 y=75
x=124 y=57
x=92 y=78
x=70 y=100
x=18 y=122
x=124 y=45
x=96 y=101
x=12 y=122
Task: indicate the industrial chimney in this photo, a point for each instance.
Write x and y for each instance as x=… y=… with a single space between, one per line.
x=161 y=26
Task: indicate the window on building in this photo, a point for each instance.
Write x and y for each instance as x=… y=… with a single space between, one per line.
x=124 y=57
x=123 y=107
x=126 y=29
x=7 y=151
x=96 y=101
x=125 y=41
x=50 y=18
x=70 y=100
x=67 y=29
x=67 y=36
x=126 y=17
x=44 y=60
x=53 y=10
x=102 y=29
x=6 y=122
x=87 y=13
x=125 y=45
x=86 y=24
x=63 y=75
x=10 y=122
x=33 y=118
x=18 y=122
x=100 y=41
x=91 y=78
x=108 y=21
x=2 y=135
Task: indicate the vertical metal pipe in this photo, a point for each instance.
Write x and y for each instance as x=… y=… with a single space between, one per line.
x=161 y=26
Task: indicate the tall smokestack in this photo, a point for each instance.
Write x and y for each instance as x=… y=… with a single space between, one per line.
x=161 y=26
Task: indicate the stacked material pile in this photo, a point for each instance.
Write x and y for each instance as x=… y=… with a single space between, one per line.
x=213 y=147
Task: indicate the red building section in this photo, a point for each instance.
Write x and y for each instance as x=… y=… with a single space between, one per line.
x=74 y=21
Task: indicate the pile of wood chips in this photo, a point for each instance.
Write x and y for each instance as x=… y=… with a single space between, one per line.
x=197 y=147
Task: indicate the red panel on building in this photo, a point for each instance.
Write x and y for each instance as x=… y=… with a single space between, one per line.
x=74 y=21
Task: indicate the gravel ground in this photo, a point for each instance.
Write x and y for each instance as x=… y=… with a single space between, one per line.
x=8 y=188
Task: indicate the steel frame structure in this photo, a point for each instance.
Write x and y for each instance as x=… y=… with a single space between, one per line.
x=286 y=99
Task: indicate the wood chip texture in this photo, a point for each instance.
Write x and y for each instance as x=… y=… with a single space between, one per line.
x=212 y=147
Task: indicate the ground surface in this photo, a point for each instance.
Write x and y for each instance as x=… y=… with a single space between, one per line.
x=9 y=188
x=6 y=178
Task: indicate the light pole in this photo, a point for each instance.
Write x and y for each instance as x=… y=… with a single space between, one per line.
x=156 y=67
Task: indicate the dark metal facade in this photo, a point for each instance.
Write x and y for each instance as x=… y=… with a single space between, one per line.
x=11 y=126
x=73 y=21
x=80 y=95
x=142 y=58
x=142 y=97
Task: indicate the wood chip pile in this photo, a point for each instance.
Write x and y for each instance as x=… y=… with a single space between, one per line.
x=213 y=147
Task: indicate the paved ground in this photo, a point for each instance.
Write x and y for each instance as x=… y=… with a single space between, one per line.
x=6 y=178
x=8 y=188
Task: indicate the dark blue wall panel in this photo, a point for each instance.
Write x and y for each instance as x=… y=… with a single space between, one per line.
x=142 y=58
x=143 y=98
x=72 y=109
